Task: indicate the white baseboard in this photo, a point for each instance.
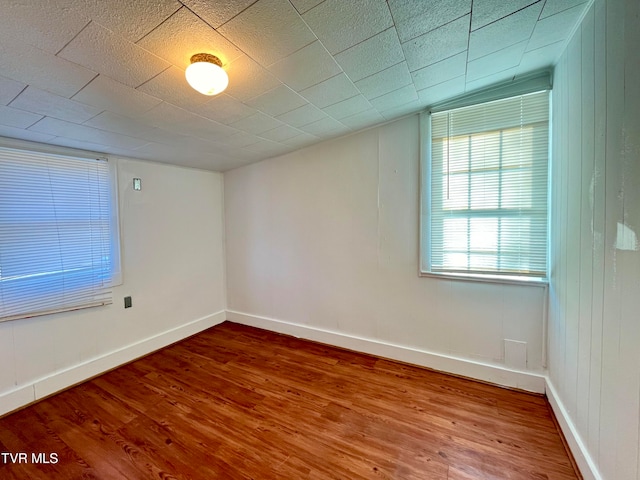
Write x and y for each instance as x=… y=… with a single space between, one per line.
x=577 y=446
x=529 y=381
x=60 y=380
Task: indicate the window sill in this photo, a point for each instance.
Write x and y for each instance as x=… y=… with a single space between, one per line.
x=514 y=280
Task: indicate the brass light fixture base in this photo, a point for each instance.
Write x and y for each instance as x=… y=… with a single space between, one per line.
x=206 y=57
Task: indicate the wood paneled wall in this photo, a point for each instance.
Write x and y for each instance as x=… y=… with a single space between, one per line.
x=594 y=305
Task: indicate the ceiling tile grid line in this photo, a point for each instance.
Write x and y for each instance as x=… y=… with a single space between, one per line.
x=111 y=74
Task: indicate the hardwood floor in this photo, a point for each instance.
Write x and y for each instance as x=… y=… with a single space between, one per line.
x=236 y=402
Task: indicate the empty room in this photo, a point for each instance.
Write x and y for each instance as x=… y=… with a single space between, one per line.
x=320 y=239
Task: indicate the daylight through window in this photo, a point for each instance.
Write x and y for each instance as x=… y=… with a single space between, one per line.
x=485 y=211
x=58 y=244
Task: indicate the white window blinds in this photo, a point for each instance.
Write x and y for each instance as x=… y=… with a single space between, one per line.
x=55 y=233
x=487 y=209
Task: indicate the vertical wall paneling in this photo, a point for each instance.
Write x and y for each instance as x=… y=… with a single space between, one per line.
x=610 y=389
x=597 y=307
x=594 y=333
x=627 y=249
x=572 y=253
x=585 y=165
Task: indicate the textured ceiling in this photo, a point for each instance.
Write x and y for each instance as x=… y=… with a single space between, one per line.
x=108 y=75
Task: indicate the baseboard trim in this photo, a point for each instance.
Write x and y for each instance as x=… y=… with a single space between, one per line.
x=528 y=381
x=581 y=455
x=61 y=380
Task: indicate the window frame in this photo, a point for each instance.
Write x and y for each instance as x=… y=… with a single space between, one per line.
x=116 y=274
x=532 y=83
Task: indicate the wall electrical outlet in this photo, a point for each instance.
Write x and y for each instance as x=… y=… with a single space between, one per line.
x=127 y=302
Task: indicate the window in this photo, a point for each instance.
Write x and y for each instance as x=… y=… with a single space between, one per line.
x=58 y=233
x=485 y=189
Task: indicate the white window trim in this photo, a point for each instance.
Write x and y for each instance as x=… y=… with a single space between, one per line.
x=529 y=83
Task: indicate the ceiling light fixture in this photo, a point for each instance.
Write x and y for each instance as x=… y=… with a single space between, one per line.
x=205 y=74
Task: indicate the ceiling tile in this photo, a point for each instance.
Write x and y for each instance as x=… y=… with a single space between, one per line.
x=276 y=54
x=325 y=127
x=277 y=101
x=9 y=89
x=416 y=17
x=53 y=126
x=438 y=44
x=241 y=139
x=488 y=11
x=180 y=156
x=45 y=24
x=301 y=140
x=130 y=19
x=496 y=62
x=92 y=147
x=340 y=25
x=402 y=110
x=205 y=129
x=508 y=31
x=363 y=119
x=385 y=81
x=170 y=42
x=224 y=109
x=268 y=147
x=257 y=123
x=107 y=94
x=12 y=117
x=43 y=70
x=190 y=143
x=440 y=71
x=442 y=91
x=228 y=162
x=105 y=52
x=554 y=28
x=372 y=55
x=247 y=79
x=551 y=7
x=330 y=91
x=167 y=116
x=302 y=116
x=21 y=134
x=281 y=133
x=305 y=5
x=44 y=103
x=171 y=86
x=348 y=107
x=491 y=80
x=112 y=122
x=540 y=58
x=218 y=12
x=397 y=97
x=306 y=67
x=268 y=31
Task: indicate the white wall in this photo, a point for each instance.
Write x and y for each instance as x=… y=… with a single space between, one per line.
x=323 y=243
x=173 y=267
x=594 y=315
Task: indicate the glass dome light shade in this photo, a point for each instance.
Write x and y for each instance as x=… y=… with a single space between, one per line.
x=206 y=75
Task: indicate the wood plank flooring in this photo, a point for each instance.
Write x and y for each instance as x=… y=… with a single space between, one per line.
x=236 y=402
